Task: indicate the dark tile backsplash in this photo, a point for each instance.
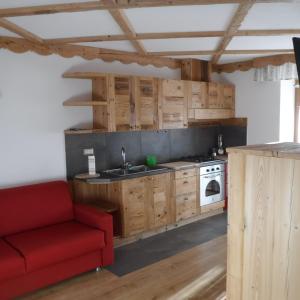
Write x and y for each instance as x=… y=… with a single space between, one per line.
x=167 y=145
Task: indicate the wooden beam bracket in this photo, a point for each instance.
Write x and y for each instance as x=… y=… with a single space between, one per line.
x=19 y=45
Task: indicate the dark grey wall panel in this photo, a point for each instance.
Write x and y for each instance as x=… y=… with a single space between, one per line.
x=116 y=140
x=167 y=145
x=157 y=143
x=234 y=136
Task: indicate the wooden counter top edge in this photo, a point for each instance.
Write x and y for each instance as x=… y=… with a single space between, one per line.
x=279 y=150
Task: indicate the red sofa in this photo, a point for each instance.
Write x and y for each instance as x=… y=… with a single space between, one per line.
x=45 y=237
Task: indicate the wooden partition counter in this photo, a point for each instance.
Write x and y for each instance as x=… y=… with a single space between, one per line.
x=264 y=222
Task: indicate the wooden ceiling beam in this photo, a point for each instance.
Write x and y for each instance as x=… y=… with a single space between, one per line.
x=19 y=45
x=97 y=5
x=260 y=62
x=228 y=52
x=20 y=31
x=233 y=27
x=169 y=35
x=124 y=23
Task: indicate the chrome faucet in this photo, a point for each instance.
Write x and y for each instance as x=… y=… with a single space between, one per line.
x=123 y=153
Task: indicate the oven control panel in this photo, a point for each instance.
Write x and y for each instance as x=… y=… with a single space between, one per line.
x=212 y=169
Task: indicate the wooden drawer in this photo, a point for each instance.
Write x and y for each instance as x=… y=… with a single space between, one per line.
x=186 y=206
x=213 y=114
x=185 y=185
x=185 y=173
x=211 y=207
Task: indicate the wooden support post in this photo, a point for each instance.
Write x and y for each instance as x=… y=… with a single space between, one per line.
x=195 y=70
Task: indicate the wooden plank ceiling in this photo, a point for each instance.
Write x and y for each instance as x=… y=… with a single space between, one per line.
x=215 y=43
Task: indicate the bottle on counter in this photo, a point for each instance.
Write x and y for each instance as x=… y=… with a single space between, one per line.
x=221 y=150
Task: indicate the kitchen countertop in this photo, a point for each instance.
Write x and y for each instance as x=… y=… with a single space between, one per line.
x=105 y=178
x=180 y=165
x=279 y=150
x=169 y=167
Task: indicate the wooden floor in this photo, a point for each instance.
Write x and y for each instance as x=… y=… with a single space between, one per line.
x=198 y=273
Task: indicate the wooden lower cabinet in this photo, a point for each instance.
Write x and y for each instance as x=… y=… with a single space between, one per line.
x=186 y=206
x=149 y=202
x=186 y=194
x=133 y=204
x=145 y=203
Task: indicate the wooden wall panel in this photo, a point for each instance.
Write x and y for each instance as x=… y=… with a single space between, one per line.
x=293 y=262
x=263 y=231
x=236 y=225
x=268 y=223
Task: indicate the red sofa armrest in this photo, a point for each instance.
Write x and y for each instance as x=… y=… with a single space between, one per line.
x=95 y=218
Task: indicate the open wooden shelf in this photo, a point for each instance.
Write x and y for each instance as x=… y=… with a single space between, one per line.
x=85 y=131
x=84 y=75
x=84 y=103
x=226 y=122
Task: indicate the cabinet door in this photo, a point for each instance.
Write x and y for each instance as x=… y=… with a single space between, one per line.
x=215 y=95
x=146 y=99
x=198 y=92
x=173 y=106
x=186 y=194
x=159 y=200
x=229 y=96
x=134 y=198
x=124 y=103
x=186 y=206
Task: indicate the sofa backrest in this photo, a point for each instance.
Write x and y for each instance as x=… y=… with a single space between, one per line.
x=33 y=206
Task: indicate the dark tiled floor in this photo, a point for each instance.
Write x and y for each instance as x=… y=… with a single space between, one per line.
x=148 y=251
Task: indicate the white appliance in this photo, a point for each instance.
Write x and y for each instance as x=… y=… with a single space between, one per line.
x=212 y=184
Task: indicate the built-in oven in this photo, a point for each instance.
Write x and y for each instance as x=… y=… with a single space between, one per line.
x=212 y=184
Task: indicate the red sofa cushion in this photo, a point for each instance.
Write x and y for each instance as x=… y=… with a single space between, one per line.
x=12 y=264
x=33 y=206
x=53 y=244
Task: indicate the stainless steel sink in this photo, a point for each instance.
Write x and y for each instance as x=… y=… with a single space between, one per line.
x=133 y=170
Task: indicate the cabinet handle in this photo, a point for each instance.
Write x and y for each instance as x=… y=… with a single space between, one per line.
x=185 y=182
x=185 y=173
x=186 y=199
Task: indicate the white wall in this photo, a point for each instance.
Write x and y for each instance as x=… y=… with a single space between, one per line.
x=259 y=102
x=287 y=111
x=32 y=118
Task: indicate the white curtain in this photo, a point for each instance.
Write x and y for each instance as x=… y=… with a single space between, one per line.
x=276 y=73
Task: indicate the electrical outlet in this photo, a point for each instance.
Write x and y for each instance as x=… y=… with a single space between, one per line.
x=88 y=151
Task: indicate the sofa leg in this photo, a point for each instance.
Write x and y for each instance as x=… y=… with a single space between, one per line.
x=98 y=269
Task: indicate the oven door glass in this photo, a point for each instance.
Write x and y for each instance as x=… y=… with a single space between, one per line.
x=212 y=188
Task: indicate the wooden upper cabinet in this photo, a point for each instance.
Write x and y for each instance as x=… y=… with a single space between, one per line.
x=173 y=106
x=229 y=96
x=198 y=94
x=146 y=100
x=215 y=95
x=124 y=103
x=221 y=96
x=197 y=97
